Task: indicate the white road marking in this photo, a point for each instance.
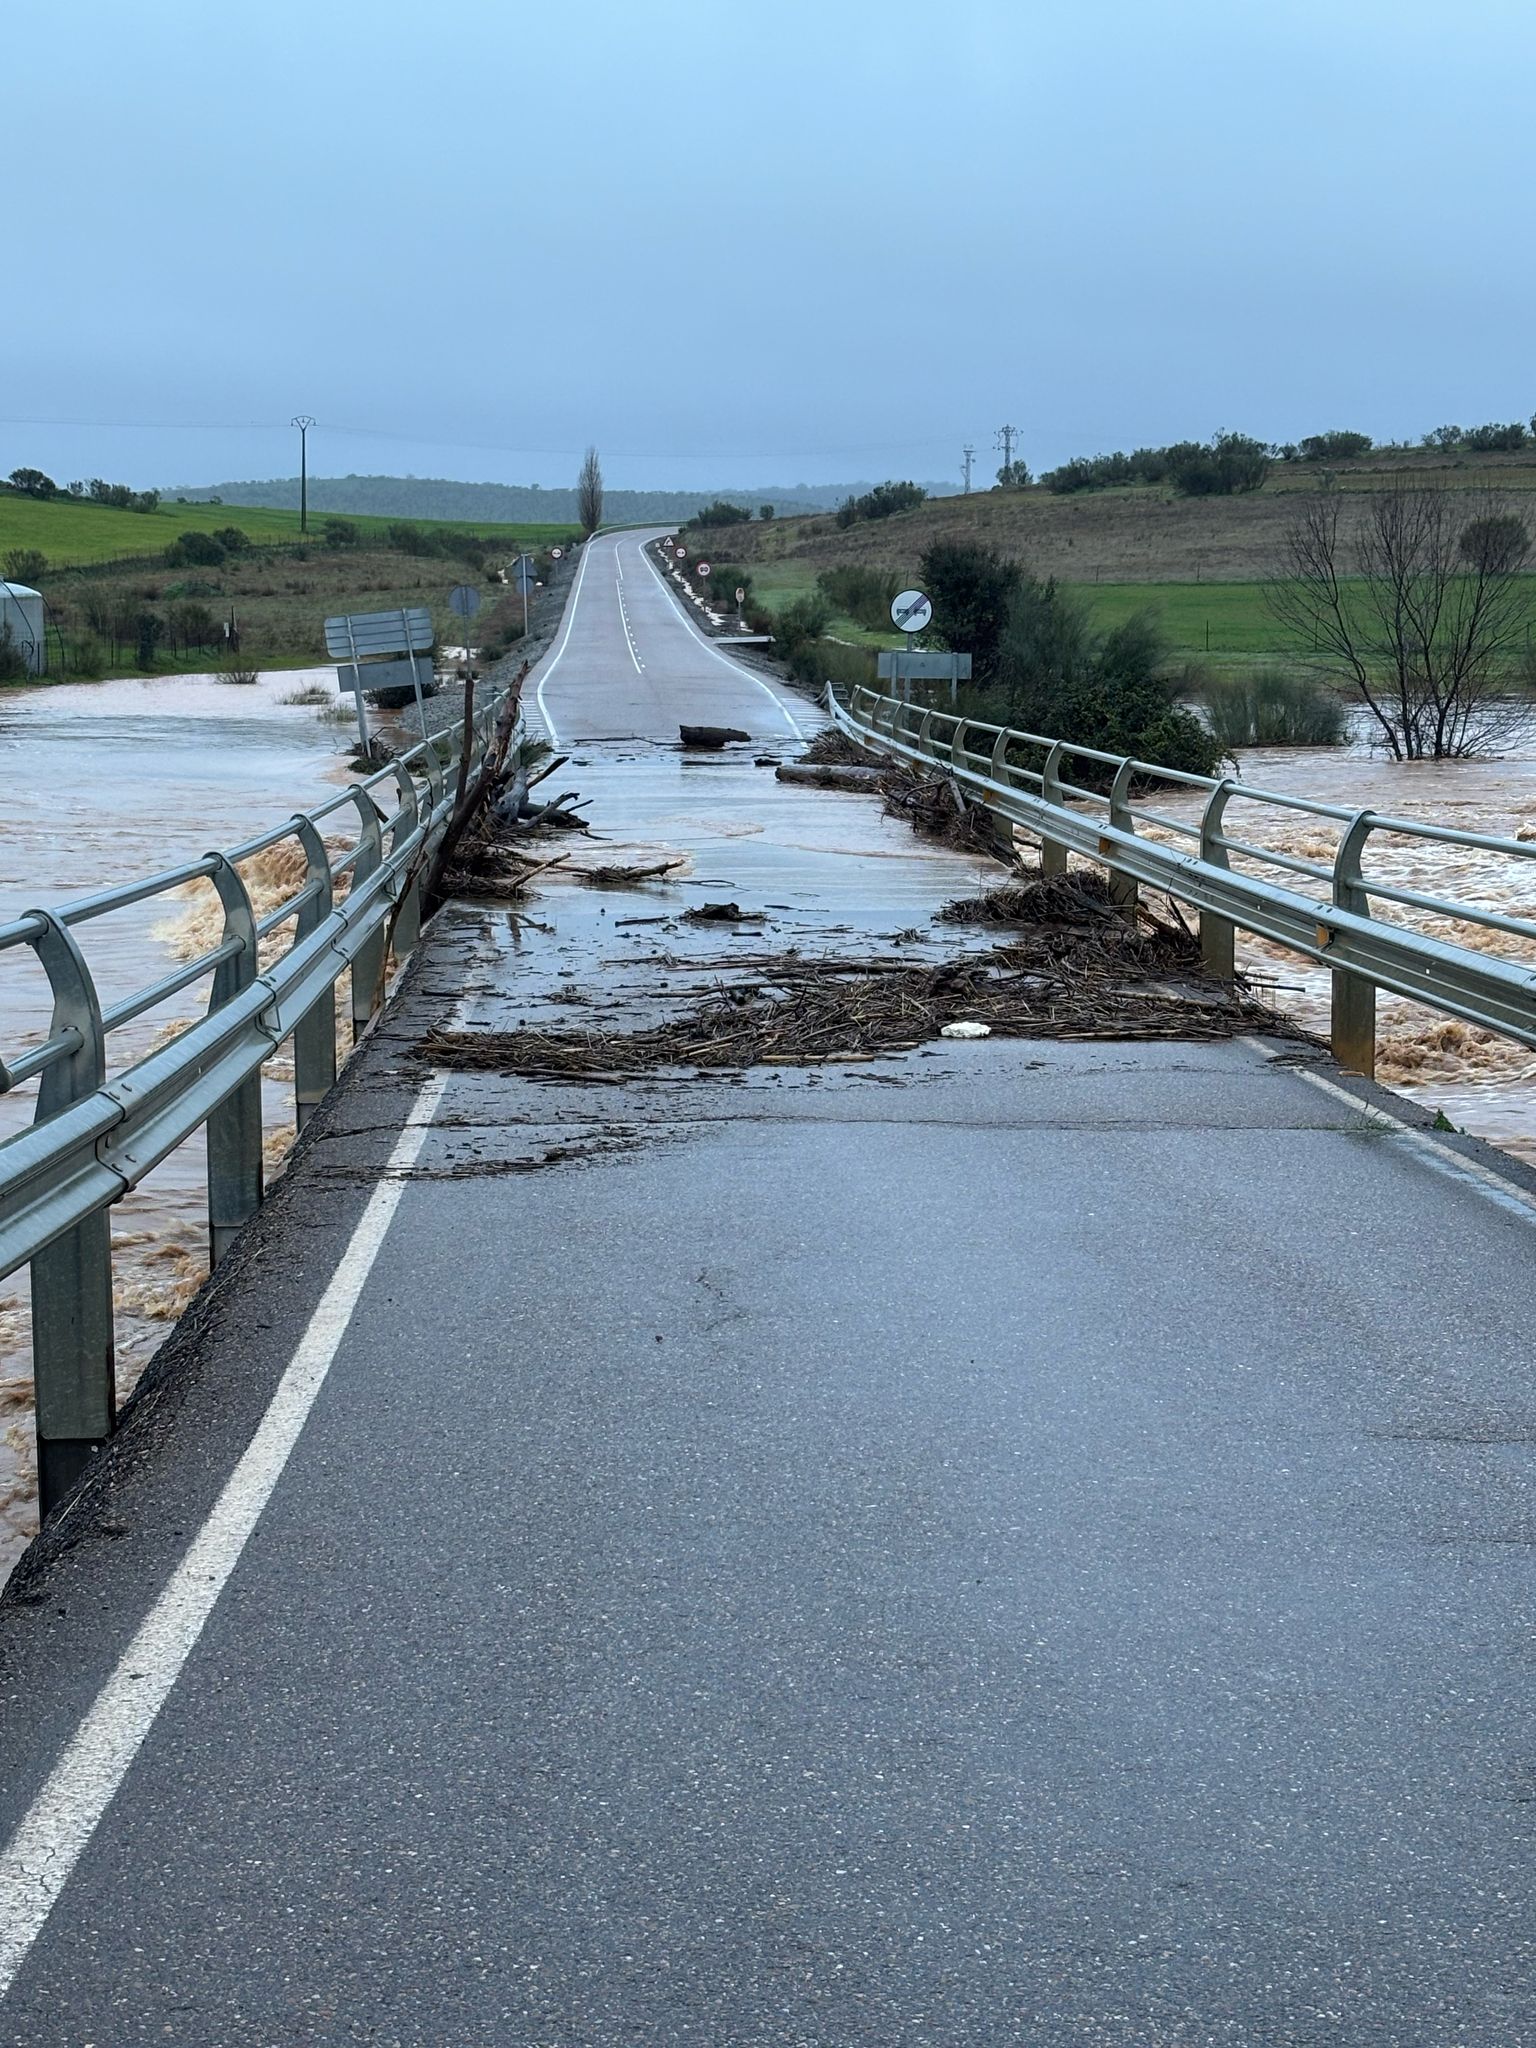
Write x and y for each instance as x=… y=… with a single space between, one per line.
x=1507 y=1193
x=550 y=666
x=734 y=666
x=37 y=1861
x=629 y=638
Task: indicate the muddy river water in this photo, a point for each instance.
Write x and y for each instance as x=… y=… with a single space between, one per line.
x=101 y=783
x=109 y=781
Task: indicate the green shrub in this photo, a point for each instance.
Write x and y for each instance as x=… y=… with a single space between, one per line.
x=409 y=539
x=881 y=502
x=1495 y=439
x=972 y=588
x=818 y=662
x=194 y=550
x=721 y=513
x=149 y=631
x=1338 y=445
x=803 y=620
x=339 y=533
x=1220 y=467
x=13 y=660
x=1058 y=675
x=1272 y=708
x=234 y=540
x=859 y=592
x=25 y=565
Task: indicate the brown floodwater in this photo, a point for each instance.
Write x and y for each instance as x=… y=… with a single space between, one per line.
x=1481 y=1081
x=105 y=782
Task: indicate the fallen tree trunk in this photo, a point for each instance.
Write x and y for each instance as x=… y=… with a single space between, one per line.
x=711 y=736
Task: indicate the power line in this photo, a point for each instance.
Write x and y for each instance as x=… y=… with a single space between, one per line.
x=429 y=440
x=1005 y=439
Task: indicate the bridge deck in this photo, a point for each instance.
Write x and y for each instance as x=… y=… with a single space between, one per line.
x=1026 y=1545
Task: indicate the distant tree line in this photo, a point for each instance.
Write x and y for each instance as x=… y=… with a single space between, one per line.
x=723 y=512
x=881 y=502
x=36 y=483
x=1220 y=467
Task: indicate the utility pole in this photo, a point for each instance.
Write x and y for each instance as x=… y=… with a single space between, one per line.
x=1005 y=440
x=303 y=421
x=966 y=459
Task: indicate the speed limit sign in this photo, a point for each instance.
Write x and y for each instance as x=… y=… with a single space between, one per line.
x=703 y=568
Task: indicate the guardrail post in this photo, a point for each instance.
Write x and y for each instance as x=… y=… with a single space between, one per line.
x=1053 y=855
x=234 y=1128
x=1353 y=1020
x=314 y=1036
x=1123 y=888
x=408 y=910
x=73 y=1353
x=368 y=961
x=1218 y=935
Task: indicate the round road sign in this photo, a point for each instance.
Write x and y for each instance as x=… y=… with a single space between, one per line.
x=555 y=554
x=464 y=599
x=740 y=594
x=912 y=611
x=703 y=568
x=682 y=554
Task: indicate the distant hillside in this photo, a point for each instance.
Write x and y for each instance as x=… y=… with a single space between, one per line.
x=1135 y=533
x=427 y=497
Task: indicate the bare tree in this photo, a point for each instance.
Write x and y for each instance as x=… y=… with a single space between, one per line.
x=589 y=493
x=1421 y=603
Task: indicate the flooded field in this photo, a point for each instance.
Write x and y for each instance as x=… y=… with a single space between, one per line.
x=104 y=782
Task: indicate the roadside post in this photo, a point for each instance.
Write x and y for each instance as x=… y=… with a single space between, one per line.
x=911 y=611
x=464 y=601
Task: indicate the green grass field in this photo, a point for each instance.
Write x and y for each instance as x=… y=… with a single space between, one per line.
x=1224 y=620
x=1197 y=618
x=75 y=534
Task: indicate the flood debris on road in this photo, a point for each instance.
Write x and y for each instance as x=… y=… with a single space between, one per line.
x=1092 y=974
x=711 y=737
x=616 y=875
x=931 y=801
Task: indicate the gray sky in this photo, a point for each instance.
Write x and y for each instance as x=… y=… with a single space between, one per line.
x=774 y=240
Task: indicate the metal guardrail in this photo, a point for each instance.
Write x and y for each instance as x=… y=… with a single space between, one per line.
x=1027 y=779
x=94 y=1137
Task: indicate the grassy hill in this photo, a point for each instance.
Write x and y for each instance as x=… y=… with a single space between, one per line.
x=117 y=607
x=1201 y=561
x=74 y=533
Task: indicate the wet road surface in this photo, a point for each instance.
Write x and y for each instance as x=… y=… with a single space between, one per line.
x=1021 y=1543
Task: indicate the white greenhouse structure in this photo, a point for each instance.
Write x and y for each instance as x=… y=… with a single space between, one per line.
x=21 y=610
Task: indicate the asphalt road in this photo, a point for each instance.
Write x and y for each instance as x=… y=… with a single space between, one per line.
x=1028 y=1544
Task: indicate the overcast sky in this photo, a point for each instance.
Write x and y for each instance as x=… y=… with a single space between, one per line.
x=761 y=242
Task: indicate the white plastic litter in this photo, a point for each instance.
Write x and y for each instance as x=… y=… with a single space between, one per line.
x=965 y=1029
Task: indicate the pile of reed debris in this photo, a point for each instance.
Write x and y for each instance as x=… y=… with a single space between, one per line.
x=931 y=801
x=1076 y=968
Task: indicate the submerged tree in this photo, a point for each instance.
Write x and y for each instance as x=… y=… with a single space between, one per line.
x=1422 y=605
x=589 y=494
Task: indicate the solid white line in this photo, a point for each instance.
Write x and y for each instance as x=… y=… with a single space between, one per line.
x=45 y=1848
x=570 y=620
x=1507 y=1193
x=734 y=666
